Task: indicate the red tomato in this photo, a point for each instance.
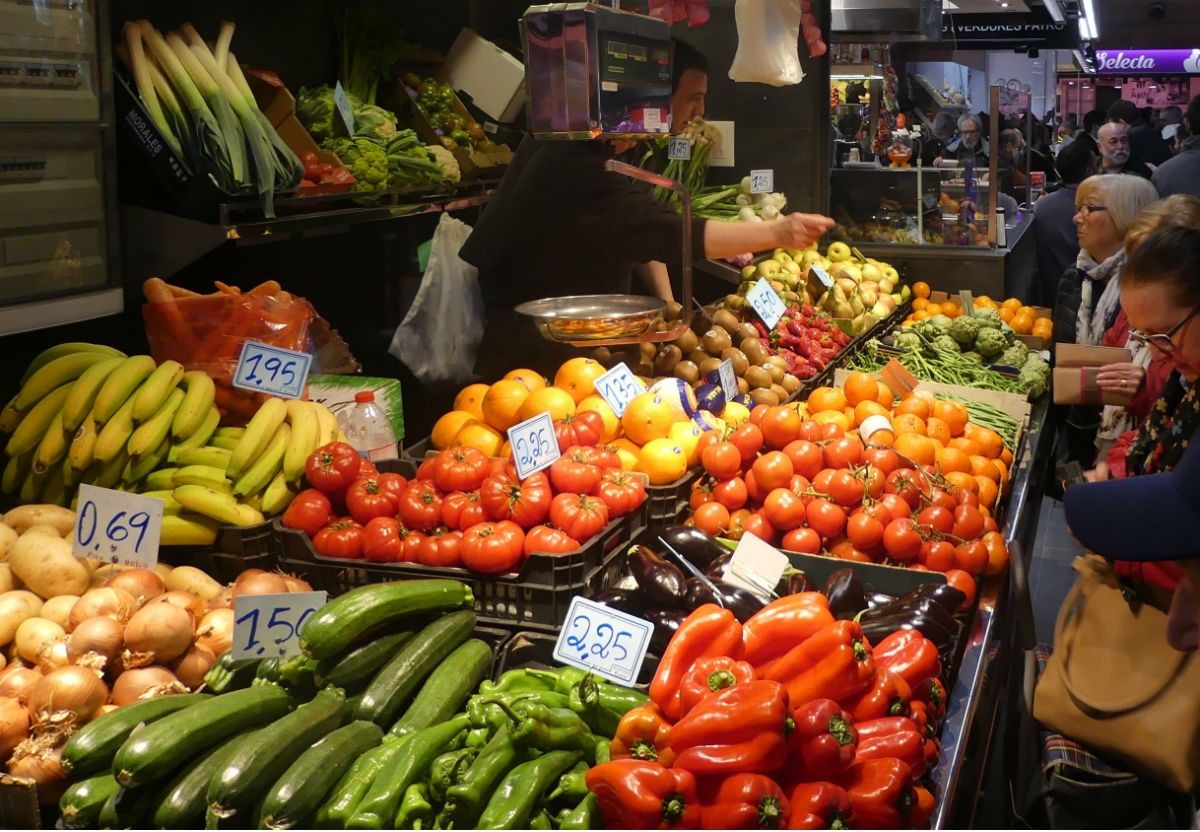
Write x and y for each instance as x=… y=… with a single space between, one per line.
x=845 y=488
x=895 y=506
x=908 y=485
x=758 y=525
x=803 y=540
x=846 y=550
x=754 y=491
x=845 y=452
x=599 y=456
x=731 y=493
x=441 y=549
x=309 y=512
x=421 y=506
x=580 y=516
x=885 y=459
x=780 y=425
x=962 y=581
x=460 y=469
x=367 y=499
x=702 y=492
x=571 y=474
x=939 y=497
x=828 y=432
x=772 y=470
x=709 y=437
x=937 y=518
x=823 y=482
x=583 y=428
x=873 y=480
x=331 y=468
x=425 y=469
x=383 y=540
x=965 y=498
x=711 y=518
x=524 y=502
x=412 y=545
x=901 y=540
x=621 y=491
x=493 y=548
x=826 y=518
x=462 y=510
x=547 y=540
x=990 y=525
x=968 y=523
x=807 y=459
x=971 y=556
x=758 y=412
x=343 y=538
x=748 y=439
x=800 y=486
x=393 y=484
x=722 y=460
x=784 y=510
x=810 y=431
x=937 y=555
x=865 y=532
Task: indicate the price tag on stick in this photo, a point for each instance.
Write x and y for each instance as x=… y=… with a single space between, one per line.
x=762 y=181
x=756 y=566
x=534 y=445
x=821 y=275
x=344 y=109
x=766 y=302
x=266 y=369
x=679 y=147
x=728 y=378
x=605 y=641
x=266 y=626
x=619 y=386
x=116 y=527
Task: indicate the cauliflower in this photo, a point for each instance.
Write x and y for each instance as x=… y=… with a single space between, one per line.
x=446 y=162
x=971 y=355
x=964 y=329
x=988 y=314
x=374 y=123
x=945 y=343
x=1014 y=356
x=990 y=343
x=366 y=160
x=908 y=341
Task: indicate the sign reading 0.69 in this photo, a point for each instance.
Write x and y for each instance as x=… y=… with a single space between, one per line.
x=116 y=527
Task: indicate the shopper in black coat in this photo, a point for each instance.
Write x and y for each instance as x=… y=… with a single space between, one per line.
x=1146 y=144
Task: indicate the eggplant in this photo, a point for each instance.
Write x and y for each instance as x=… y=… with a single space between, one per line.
x=846 y=593
x=879 y=599
x=626 y=600
x=663 y=583
x=738 y=601
x=699 y=548
x=716 y=569
x=950 y=598
x=797 y=582
x=665 y=622
x=918 y=606
x=880 y=628
x=699 y=593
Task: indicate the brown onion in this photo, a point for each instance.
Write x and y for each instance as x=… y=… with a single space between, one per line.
x=216 y=631
x=263 y=583
x=142 y=584
x=71 y=695
x=17 y=682
x=192 y=666
x=108 y=602
x=14 y=725
x=156 y=634
x=41 y=762
x=96 y=643
x=185 y=600
x=145 y=683
x=223 y=600
x=54 y=657
x=295 y=584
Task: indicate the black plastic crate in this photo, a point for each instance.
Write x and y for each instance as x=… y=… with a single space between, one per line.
x=533 y=649
x=669 y=503
x=236 y=549
x=415 y=453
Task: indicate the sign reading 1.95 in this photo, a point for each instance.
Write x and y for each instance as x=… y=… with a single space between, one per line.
x=269 y=625
x=619 y=386
x=766 y=302
x=116 y=527
x=266 y=369
x=606 y=641
x=534 y=445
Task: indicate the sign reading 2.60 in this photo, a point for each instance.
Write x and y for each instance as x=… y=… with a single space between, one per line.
x=603 y=640
x=269 y=625
x=534 y=445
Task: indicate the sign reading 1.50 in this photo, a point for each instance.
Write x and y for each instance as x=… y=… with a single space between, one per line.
x=269 y=625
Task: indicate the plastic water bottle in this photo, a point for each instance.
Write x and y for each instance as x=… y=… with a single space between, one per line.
x=367 y=428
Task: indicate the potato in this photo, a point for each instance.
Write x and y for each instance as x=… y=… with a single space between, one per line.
x=7 y=583
x=31 y=601
x=162 y=570
x=58 y=610
x=42 y=528
x=192 y=580
x=7 y=538
x=38 y=514
x=13 y=612
x=48 y=567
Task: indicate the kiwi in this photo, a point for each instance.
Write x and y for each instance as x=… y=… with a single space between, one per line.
x=668 y=357
x=687 y=342
x=777 y=360
x=726 y=320
x=755 y=352
x=743 y=387
x=697 y=356
x=790 y=383
x=779 y=392
x=745 y=331
x=603 y=355
x=776 y=372
x=643 y=368
x=764 y=396
x=687 y=371
x=674 y=311
x=740 y=362
x=757 y=377
x=716 y=341
x=708 y=365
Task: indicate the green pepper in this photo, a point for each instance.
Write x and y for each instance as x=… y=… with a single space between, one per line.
x=416 y=811
x=584 y=816
x=572 y=785
x=512 y=804
x=466 y=799
x=516 y=681
x=492 y=712
x=603 y=751
x=448 y=769
x=541 y=820
x=477 y=738
x=551 y=728
x=603 y=705
x=349 y=792
x=563 y=679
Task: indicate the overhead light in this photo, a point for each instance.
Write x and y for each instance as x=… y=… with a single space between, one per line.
x=1089 y=10
x=1070 y=83
x=1004 y=5
x=1055 y=10
x=1083 y=29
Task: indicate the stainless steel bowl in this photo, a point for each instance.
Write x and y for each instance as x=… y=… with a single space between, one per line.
x=593 y=317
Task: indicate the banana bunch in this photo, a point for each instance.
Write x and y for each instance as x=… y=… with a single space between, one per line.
x=87 y=413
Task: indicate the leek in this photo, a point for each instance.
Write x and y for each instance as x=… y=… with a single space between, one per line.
x=289 y=170
x=171 y=105
x=221 y=106
x=140 y=68
x=221 y=49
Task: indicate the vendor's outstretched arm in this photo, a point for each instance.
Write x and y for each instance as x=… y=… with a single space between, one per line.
x=729 y=239
x=654 y=274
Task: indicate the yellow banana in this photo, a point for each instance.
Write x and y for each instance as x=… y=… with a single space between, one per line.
x=31 y=488
x=249 y=516
x=83 y=393
x=54 y=375
x=120 y=385
x=259 y=430
x=203 y=475
x=306 y=432
x=328 y=423
x=54 y=489
x=110 y=472
x=53 y=446
x=82 y=452
x=259 y=475
x=201 y=393
x=70 y=475
x=226 y=442
x=278 y=495
x=155 y=390
x=33 y=427
x=204 y=433
x=170 y=504
x=114 y=436
x=161 y=480
x=59 y=350
x=212 y=457
x=155 y=430
x=235 y=433
x=140 y=467
x=189 y=530
x=202 y=500
x=14 y=474
x=10 y=417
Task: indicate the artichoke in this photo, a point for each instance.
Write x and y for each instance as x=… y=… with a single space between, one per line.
x=908 y=341
x=1014 y=356
x=990 y=343
x=941 y=322
x=988 y=314
x=945 y=342
x=963 y=330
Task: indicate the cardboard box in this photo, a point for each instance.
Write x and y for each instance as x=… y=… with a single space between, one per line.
x=336 y=392
x=493 y=79
x=1075 y=369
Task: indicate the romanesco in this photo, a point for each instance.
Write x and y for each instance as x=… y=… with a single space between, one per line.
x=990 y=343
x=964 y=329
x=366 y=160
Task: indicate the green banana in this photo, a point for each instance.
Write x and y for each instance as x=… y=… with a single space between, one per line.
x=59 y=350
x=84 y=392
x=53 y=446
x=70 y=475
x=259 y=430
x=306 y=432
x=202 y=500
x=120 y=386
x=201 y=393
x=236 y=433
x=278 y=495
x=114 y=436
x=203 y=475
x=208 y=455
x=161 y=480
x=155 y=430
x=109 y=473
x=264 y=469
x=187 y=530
x=31 y=488
x=155 y=390
x=54 y=488
x=14 y=474
x=227 y=443
x=170 y=504
x=202 y=433
x=82 y=452
x=54 y=375
x=140 y=467
x=33 y=427
x=10 y=417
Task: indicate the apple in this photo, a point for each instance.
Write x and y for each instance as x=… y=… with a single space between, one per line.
x=871 y=272
x=891 y=274
x=838 y=252
x=810 y=256
x=768 y=267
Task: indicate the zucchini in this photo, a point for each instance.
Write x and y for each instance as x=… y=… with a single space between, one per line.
x=81 y=804
x=229 y=674
x=247 y=774
x=149 y=756
x=448 y=687
x=392 y=687
x=182 y=804
x=90 y=749
x=297 y=795
x=127 y=809
x=347 y=618
x=352 y=671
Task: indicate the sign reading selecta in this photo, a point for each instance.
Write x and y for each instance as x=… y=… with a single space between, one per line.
x=1166 y=61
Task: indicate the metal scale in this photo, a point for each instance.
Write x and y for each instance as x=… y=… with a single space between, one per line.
x=594 y=73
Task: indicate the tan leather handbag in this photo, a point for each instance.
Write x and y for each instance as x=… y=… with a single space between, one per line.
x=1116 y=686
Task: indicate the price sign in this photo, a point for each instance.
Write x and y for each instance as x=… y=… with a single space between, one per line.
x=763 y=300
x=343 y=107
x=679 y=147
x=728 y=379
x=266 y=369
x=605 y=641
x=116 y=527
x=762 y=181
x=652 y=119
x=756 y=566
x=821 y=275
x=968 y=301
x=618 y=387
x=534 y=445
x=266 y=626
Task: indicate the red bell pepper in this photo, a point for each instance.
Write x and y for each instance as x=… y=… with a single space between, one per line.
x=638 y=794
x=709 y=676
x=909 y=655
x=896 y=739
x=744 y=801
x=888 y=696
x=918 y=712
x=923 y=806
x=784 y=623
x=822 y=741
x=835 y=664
x=933 y=694
x=881 y=793
x=740 y=729
x=642 y=734
x=708 y=631
x=820 y=806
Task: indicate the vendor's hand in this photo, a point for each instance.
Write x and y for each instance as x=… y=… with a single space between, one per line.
x=800 y=230
x=1120 y=378
x=1098 y=474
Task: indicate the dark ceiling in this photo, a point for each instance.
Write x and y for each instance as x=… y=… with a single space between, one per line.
x=1128 y=23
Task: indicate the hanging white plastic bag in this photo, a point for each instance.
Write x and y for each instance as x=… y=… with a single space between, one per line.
x=768 y=42
x=439 y=337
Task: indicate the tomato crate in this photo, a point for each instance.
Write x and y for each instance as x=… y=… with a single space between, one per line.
x=533 y=649
x=669 y=503
x=236 y=549
x=416 y=452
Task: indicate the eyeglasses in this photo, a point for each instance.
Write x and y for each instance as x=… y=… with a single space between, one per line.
x=1164 y=342
x=1088 y=210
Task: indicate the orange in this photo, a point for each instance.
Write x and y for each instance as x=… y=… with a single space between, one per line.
x=1027 y=310
x=449 y=426
x=920 y=449
x=558 y=403
x=863 y=410
x=933 y=309
x=838 y=417
x=1006 y=456
x=1022 y=324
x=662 y=461
x=981 y=466
x=991 y=444
x=963 y=481
x=951 y=310
x=627 y=452
x=1007 y=315
x=1011 y=303
x=505 y=451
x=919 y=304
x=967 y=446
x=885 y=438
x=935 y=428
x=953 y=460
x=502 y=404
x=578 y=377
x=1001 y=469
x=988 y=491
x=920 y=316
x=920 y=289
x=470 y=399
x=826 y=398
x=531 y=380
x=860 y=387
x=953 y=414
x=481 y=437
x=885 y=396
x=612 y=422
x=646 y=418
x=909 y=423
x=915 y=405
